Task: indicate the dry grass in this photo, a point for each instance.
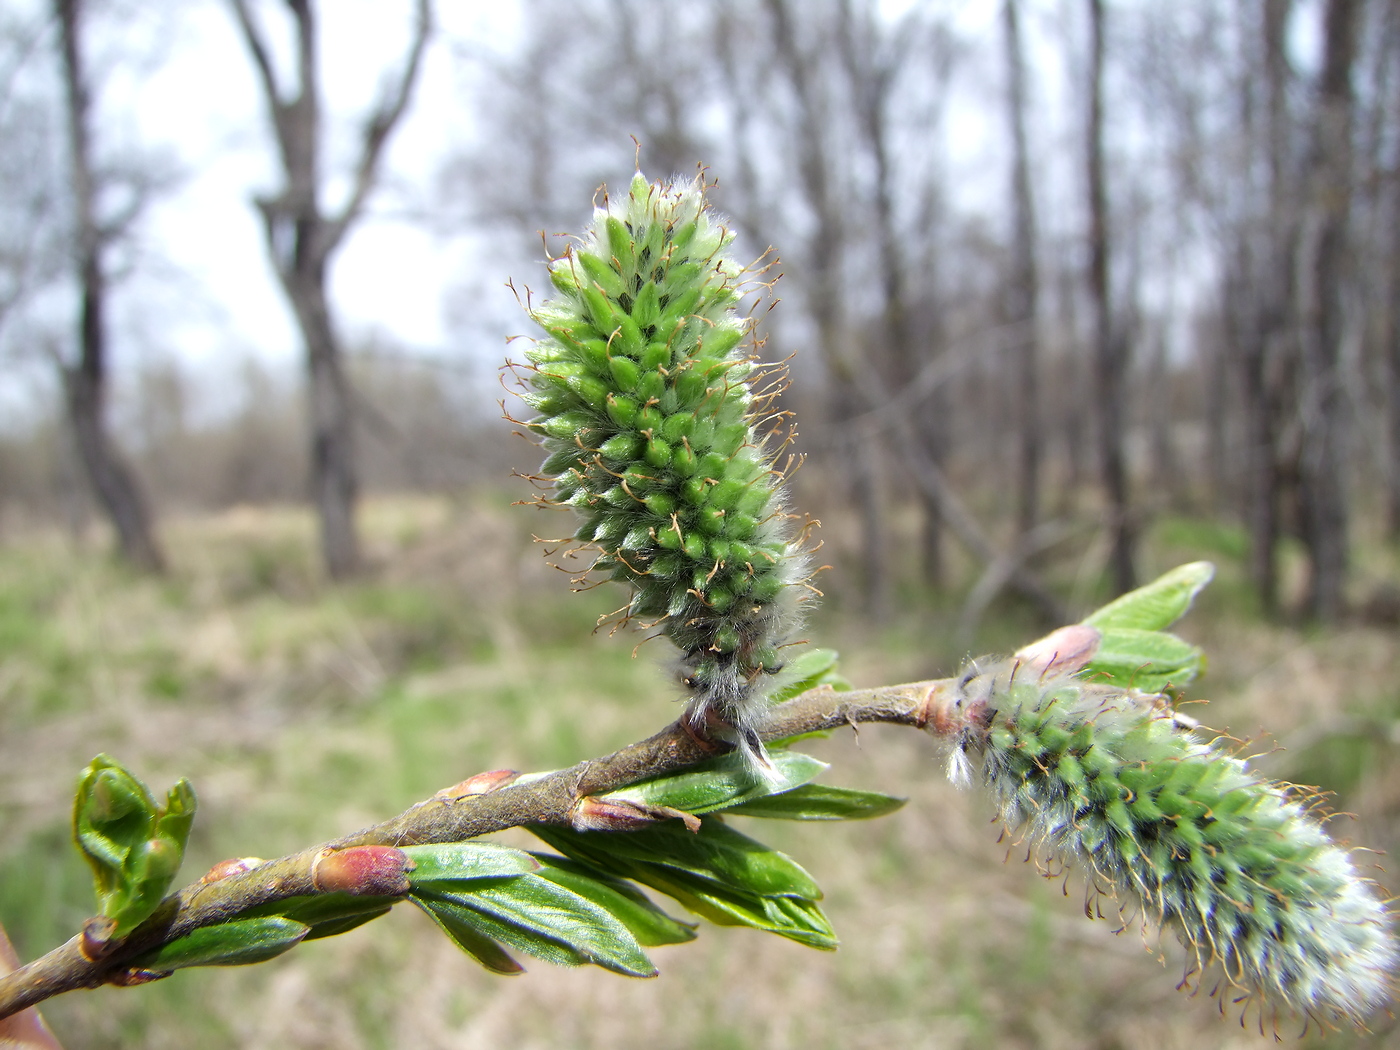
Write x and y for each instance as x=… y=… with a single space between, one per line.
x=300 y=711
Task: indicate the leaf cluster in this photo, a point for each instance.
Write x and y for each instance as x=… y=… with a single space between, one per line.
x=133 y=844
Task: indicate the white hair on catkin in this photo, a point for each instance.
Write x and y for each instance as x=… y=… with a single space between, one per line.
x=1238 y=866
x=658 y=418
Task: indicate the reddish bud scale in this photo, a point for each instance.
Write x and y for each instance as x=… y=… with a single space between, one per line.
x=479 y=784
x=226 y=869
x=370 y=871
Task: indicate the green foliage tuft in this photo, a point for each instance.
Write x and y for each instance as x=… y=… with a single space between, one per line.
x=1135 y=650
x=134 y=845
x=719 y=874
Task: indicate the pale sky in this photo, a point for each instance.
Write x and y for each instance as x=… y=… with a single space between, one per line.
x=204 y=101
x=204 y=292
x=177 y=81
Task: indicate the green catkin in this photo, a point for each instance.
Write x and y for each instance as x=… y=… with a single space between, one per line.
x=1234 y=863
x=648 y=416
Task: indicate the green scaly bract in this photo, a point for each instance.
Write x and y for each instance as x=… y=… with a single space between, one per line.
x=647 y=412
x=1231 y=861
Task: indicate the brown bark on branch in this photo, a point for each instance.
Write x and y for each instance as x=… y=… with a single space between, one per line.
x=548 y=799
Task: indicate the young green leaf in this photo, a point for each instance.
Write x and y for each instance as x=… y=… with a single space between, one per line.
x=328 y=914
x=792 y=917
x=808 y=670
x=488 y=925
x=1146 y=660
x=176 y=818
x=234 y=943
x=346 y=923
x=451 y=861
x=719 y=874
x=717 y=854
x=819 y=802
x=460 y=925
x=720 y=783
x=150 y=869
x=112 y=814
x=134 y=846
x=649 y=924
x=1157 y=605
x=543 y=919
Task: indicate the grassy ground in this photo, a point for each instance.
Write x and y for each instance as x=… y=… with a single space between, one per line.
x=300 y=711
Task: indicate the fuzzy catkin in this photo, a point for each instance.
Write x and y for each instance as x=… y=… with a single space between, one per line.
x=647 y=409
x=1235 y=864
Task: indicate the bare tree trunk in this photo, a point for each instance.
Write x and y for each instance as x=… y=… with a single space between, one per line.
x=85 y=383
x=1267 y=342
x=872 y=69
x=1023 y=285
x=1392 y=373
x=1166 y=467
x=1215 y=395
x=1322 y=259
x=1110 y=351
x=302 y=239
x=1392 y=336
x=1262 y=480
x=1070 y=379
x=822 y=263
x=931 y=431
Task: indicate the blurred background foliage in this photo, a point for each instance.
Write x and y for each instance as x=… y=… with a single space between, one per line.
x=995 y=222
x=302 y=709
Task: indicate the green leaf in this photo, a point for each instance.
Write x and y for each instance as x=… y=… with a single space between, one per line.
x=716 y=853
x=466 y=860
x=177 y=817
x=543 y=919
x=234 y=943
x=720 y=783
x=458 y=923
x=112 y=814
x=1149 y=660
x=150 y=869
x=719 y=874
x=791 y=917
x=346 y=923
x=812 y=668
x=649 y=924
x=1156 y=605
x=819 y=802
x=133 y=846
x=328 y=914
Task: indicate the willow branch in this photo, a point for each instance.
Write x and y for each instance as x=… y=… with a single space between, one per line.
x=452 y=816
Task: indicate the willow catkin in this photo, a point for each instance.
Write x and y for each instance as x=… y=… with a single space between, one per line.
x=647 y=407
x=1237 y=865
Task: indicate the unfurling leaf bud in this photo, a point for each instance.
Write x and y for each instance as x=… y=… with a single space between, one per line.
x=133 y=844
